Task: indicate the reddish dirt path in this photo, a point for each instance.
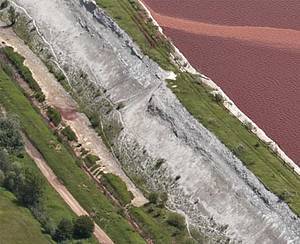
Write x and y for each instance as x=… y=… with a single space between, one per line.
x=62 y=190
x=258 y=67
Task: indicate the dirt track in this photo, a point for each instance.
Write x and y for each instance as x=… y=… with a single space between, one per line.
x=62 y=190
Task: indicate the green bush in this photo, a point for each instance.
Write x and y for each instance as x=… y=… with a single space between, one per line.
x=83 y=227
x=69 y=133
x=153 y=197
x=117 y=187
x=10 y=137
x=64 y=230
x=54 y=116
x=176 y=220
x=30 y=192
x=4 y=4
x=90 y=160
x=18 y=62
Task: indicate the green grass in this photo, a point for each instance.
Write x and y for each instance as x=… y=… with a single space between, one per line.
x=90 y=160
x=54 y=205
x=273 y=172
x=24 y=71
x=131 y=19
x=154 y=222
x=17 y=225
x=117 y=187
x=64 y=165
x=69 y=133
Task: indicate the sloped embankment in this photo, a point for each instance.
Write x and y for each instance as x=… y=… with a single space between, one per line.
x=203 y=178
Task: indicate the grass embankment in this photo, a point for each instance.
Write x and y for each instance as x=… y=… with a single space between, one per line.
x=272 y=171
x=17 y=225
x=130 y=17
x=117 y=187
x=53 y=204
x=157 y=222
x=64 y=165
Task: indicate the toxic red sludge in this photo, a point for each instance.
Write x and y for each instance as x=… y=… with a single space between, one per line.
x=251 y=49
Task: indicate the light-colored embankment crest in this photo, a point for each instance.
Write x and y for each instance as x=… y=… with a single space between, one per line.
x=203 y=178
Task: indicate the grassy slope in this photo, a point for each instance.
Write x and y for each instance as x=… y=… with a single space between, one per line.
x=54 y=205
x=117 y=187
x=64 y=165
x=17 y=225
x=272 y=171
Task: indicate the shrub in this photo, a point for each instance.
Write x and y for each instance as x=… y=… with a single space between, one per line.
x=153 y=197
x=10 y=137
x=18 y=62
x=31 y=190
x=54 y=116
x=159 y=163
x=95 y=120
x=64 y=230
x=163 y=199
x=40 y=96
x=90 y=160
x=176 y=220
x=218 y=98
x=83 y=227
x=4 y=4
x=69 y=133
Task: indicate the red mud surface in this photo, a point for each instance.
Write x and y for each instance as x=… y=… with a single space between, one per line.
x=251 y=49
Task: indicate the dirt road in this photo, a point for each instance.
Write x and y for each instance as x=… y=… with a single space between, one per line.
x=62 y=190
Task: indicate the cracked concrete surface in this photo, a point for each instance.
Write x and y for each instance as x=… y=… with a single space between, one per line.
x=214 y=190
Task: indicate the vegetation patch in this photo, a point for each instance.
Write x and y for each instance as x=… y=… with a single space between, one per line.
x=69 y=133
x=23 y=70
x=64 y=165
x=117 y=187
x=161 y=224
x=17 y=224
x=54 y=116
x=91 y=160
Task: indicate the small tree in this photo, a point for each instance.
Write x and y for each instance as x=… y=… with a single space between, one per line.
x=69 y=133
x=153 y=197
x=12 y=15
x=4 y=4
x=54 y=116
x=31 y=190
x=10 y=138
x=83 y=227
x=64 y=230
